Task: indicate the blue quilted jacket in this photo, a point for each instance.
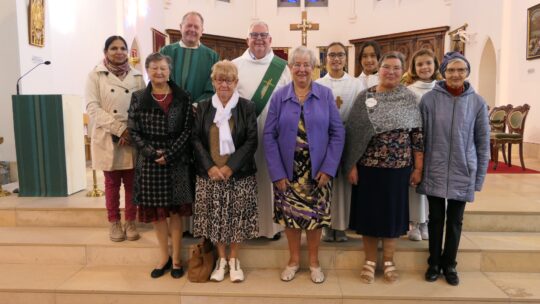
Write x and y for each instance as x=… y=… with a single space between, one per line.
x=456 y=138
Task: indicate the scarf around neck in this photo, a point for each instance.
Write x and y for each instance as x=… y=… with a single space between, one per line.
x=119 y=71
x=223 y=114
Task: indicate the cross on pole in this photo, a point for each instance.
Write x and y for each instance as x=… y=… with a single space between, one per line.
x=304 y=26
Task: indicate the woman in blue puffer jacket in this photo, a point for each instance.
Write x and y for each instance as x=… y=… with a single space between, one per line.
x=456 y=156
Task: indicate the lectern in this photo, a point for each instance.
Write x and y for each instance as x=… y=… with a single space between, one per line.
x=49 y=142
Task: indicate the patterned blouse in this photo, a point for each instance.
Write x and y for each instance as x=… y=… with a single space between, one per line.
x=393 y=149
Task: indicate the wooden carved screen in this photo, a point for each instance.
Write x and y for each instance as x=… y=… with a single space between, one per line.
x=406 y=43
x=226 y=47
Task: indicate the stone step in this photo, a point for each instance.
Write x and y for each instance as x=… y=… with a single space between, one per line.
x=61 y=284
x=479 y=251
x=90 y=212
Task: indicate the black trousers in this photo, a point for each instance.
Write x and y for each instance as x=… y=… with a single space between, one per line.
x=438 y=255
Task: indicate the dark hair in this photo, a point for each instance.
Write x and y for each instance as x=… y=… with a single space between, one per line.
x=373 y=44
x=337 y=43
x=412 y=76
x=157 y=57
x=112 y=39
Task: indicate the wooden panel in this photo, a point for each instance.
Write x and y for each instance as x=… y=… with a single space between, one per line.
x=407 y=43
x=226 y=47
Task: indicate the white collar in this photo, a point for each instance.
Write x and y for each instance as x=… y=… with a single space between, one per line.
x=182 y=44
x=344 y=77
x=265 y=60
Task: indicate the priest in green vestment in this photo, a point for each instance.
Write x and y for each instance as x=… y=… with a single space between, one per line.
x=192 y=61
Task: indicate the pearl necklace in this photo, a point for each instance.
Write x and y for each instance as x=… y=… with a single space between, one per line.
x=160 y=100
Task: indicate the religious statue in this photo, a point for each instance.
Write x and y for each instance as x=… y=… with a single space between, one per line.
x=37 y=23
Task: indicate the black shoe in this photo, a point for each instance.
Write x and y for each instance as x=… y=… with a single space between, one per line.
x=451 y=275
x=177 y=272
x=158 y=272
x=432 y=273
x=277 y=236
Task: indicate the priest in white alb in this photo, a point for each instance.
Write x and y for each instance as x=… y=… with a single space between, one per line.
x=260 y=73
x=345 y=89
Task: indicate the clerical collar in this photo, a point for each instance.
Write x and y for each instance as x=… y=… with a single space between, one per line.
x=255 y=58
x=182 y=44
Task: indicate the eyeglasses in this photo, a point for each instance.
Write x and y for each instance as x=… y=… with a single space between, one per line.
x=297 y=66
x=336 y=55
x=460 y=71
x=257 y=35
x=227 y=81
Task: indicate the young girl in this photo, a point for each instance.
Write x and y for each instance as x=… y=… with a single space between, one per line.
x=421 y=77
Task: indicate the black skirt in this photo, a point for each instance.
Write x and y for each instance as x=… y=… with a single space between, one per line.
x=380 y=202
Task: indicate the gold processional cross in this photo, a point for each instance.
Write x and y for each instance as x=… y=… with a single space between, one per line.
x=304 y=27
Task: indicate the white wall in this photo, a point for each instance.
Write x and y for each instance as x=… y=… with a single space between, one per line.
x=521 y=76
x=9 y=52
x=341 y=21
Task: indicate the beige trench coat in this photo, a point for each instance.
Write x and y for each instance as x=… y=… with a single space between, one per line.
x=107 y=103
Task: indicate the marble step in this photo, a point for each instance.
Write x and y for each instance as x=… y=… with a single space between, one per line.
x=479 y=251
x=38 y=214
x=62 y=284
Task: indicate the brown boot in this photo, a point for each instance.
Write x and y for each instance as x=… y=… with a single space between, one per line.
x=131 y=231
x=116 y=233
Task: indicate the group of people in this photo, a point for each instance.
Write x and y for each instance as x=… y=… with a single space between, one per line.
x=253 y=147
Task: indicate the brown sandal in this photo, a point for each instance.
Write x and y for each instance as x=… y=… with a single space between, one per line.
x=368 y=272
x=390 y=272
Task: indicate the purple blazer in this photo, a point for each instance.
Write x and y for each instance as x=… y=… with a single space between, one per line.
x=325 y=131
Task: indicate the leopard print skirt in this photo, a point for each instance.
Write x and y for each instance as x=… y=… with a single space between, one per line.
x=226 y=211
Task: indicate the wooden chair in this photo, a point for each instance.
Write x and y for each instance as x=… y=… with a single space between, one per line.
x=516 y=127
x=497 y=123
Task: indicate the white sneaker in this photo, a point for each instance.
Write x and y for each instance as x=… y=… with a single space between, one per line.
x=317 y=276
x=236 y=273
x=424 y=231
x=414 y=233
x=219 y=272
x=289 y=272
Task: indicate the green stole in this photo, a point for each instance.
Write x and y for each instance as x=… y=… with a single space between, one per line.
x=268 y=83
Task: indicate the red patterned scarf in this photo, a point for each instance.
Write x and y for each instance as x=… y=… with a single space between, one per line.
x=120 y=71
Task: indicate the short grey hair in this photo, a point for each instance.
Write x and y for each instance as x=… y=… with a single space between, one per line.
x=254 y=24
x=301 y=51
x=155 y=57
x=393 y=55
x=192 y=13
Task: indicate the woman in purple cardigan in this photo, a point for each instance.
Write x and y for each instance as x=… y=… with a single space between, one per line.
x=303 y=141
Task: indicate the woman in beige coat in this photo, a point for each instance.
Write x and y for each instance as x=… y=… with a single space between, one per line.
x=108 y=95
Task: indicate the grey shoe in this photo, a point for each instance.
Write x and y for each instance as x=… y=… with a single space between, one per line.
x=116 y=233
x=327 y=234
x=424 y=231
x=340 y=236
x=414 y=233
x=131 y=231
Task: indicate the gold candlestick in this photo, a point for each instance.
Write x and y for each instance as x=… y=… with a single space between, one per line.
x=95 y=192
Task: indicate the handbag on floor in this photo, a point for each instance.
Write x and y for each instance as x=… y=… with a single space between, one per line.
x=201 y=263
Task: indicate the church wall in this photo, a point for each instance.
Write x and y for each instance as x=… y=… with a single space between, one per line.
x=523 y=76
x=74 y=35
x=10 y=71
x=341 y=21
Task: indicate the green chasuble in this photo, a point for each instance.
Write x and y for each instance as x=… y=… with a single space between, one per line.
x=192 y=69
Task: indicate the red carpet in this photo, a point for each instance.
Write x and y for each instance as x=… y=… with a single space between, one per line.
x=515 y=169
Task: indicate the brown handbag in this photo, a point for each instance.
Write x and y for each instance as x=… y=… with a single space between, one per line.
x=201 y=263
